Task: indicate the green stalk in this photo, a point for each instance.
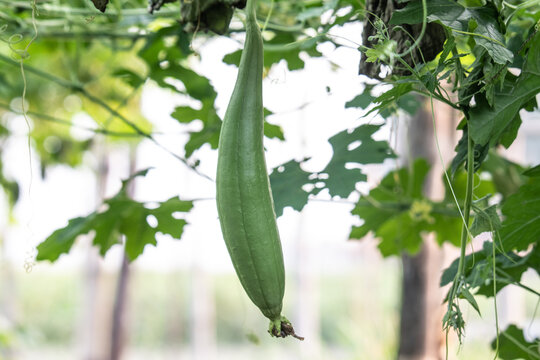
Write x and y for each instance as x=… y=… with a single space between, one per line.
x=250 y=9
x=464 y=232
x=466 y=206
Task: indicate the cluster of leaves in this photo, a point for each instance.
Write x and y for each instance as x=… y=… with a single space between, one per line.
x=488 y=122
x=483 y=42
x=490 y=99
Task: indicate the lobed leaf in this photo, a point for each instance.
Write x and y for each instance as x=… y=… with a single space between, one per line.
x=123 y=216
x=287 y=182
x=341 y=174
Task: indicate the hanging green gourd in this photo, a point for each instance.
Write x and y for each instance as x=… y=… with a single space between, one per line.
x=244 y=199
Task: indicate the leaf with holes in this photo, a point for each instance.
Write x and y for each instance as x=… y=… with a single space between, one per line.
x=123 y=216
x=287 y=182
x=352 y=148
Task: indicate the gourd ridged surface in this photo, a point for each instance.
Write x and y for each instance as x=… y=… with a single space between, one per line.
x=244 y=198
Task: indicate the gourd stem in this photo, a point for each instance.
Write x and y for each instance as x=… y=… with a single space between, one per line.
x=250 y=10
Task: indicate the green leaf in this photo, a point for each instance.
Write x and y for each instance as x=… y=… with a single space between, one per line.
x=482 y=188
x=470 y=298
x=3 y=130
x=383 y=51
x=479 y=269
x=399 y=234
x=388 y=100
x=513 y=266
x=483 y=21
x=106 y=226
x=165 y=215
x=521 y=226
x=272 y=131
x=287 y=182
x=209 y=134
x=342 y=180
x=450 y=272
x=129 y=77
x=486 y=220
x=510 y=132
x=507 y=176
x=488 y=124
x=61 y=240
x=123 y=216
x=316 y=11
x=197 y=86
x=513 y=345
x=533 y=172
x=291 y=185
x=372 y=217
x=165 y=59
x=447 y=228
x=361 y=101
x=409 y=103
x=387 y=212
x=186 y=114
x=233 y=58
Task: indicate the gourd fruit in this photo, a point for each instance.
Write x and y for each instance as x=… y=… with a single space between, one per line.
x=244 y=199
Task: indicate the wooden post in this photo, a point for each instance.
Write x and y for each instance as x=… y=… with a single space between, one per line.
x=421 y=335
x=118 y=333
